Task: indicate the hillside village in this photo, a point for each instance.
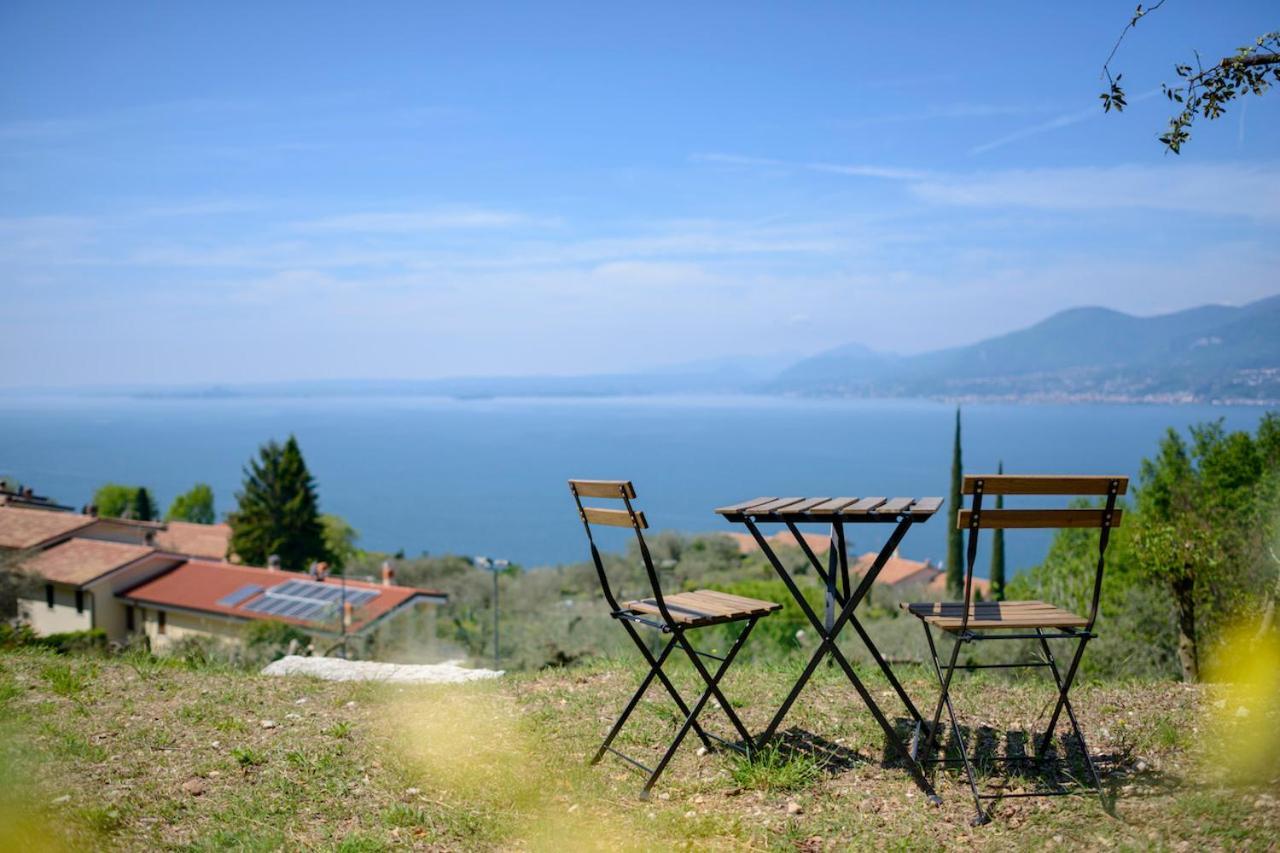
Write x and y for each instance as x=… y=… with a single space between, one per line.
x=163 y=582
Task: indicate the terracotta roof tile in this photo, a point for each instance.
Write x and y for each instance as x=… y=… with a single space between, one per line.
x=897 y=570
x=30 y=528
x=79 y=561
x=195 y=540
x=200 y=584
x=818 y=542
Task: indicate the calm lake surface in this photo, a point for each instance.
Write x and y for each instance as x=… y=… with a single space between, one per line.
x=488 y=476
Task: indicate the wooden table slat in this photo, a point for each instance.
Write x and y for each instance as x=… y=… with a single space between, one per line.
x=863 y=506
x=738 y=507
x=773 y=506
x=895 y=505
x=833 y=505
x=927 y=505
x=807 y=504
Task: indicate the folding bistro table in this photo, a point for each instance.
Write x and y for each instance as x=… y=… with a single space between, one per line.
x=837 y=512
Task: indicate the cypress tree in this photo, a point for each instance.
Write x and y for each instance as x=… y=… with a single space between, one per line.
x=997 y=551
x=142 y=507
x=278 y=512
x=955 y=541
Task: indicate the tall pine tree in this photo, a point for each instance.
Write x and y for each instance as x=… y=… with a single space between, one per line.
x=955 y=542
x=278 y=512
x=997 y=550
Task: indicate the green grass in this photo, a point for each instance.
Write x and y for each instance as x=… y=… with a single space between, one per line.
x=162 y=757
x=66 y=678
x=774 y=769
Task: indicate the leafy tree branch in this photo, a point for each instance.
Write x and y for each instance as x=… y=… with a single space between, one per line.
x=1204 y=91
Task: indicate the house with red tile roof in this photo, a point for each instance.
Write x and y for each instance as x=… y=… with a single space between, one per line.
x=817 y=542
x=901 y=573
x=74 y=583
x=214 y=599
x=150 y=580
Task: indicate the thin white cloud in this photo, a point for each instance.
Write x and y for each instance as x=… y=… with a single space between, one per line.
x=1064 y=120
x=391 y=222
x=1216 y=190
x=949 y=111
x=857 y=170
x=1208 y=189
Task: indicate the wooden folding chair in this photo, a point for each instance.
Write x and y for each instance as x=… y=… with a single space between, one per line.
x=969 y=622
x=676 y=615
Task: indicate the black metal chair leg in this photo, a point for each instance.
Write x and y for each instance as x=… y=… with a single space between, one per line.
x=666 y=682
x=946 y=684
x=945 y=699
x=690 y=720
x=1064 y=686
x=713 y=684
x=1071 y=715
x=654 y=669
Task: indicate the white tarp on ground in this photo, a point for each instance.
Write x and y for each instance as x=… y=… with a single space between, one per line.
x=337 y=669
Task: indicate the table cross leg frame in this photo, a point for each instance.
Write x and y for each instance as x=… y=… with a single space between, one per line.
x=830 y=632
x=834 y=596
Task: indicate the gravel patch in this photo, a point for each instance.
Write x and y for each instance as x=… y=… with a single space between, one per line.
x=337 y=669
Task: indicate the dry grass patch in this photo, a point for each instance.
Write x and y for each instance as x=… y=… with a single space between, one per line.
x=139 y=754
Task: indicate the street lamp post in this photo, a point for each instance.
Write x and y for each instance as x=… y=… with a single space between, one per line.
x=494 y=566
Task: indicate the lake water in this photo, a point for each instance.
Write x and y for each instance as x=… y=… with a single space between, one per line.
x=488 y=476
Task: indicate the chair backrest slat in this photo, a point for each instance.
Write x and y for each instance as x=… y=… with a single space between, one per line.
x=977 y=517
x=629 y=517
x=1042 y=484
x=614 y=517
x=1032 y=518
x=604 y=488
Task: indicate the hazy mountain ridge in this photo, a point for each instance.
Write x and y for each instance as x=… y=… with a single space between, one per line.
x=1212 y=353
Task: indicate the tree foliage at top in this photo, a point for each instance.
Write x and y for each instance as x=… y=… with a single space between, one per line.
x=195 y=506
x=277 y=510
x=339 y=540
x=114 y=500
x=1204 y=91
x=1207 y=518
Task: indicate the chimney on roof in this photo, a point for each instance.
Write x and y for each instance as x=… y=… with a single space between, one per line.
x=388 y=573
x=273 y=563
x=91 y=510
x=321 y=571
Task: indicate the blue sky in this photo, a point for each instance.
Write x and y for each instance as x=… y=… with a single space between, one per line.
x=247 y=191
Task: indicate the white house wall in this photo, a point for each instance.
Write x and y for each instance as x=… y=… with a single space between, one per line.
x=62 y=616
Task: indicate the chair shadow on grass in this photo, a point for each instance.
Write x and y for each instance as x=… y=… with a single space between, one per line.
x=833 y=758
x=1006 y=762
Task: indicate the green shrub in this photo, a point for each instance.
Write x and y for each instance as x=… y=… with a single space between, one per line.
x=76 y=642
x=71 y=642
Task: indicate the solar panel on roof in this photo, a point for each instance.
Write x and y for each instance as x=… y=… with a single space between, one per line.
x=234 y=598
x=308 y=600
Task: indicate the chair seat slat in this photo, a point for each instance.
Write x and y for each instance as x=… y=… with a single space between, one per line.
x=995 y=615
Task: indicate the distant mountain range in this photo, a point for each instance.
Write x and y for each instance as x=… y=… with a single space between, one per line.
x=1213 y=353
